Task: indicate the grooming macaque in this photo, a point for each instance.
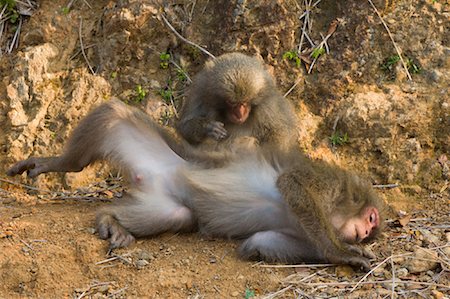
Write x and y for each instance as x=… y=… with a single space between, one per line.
x=283 y=206
x=235 y=96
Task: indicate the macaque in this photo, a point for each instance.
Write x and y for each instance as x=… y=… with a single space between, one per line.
x=235 y=96
x=283 y=206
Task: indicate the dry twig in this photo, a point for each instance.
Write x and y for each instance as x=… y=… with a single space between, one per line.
x=387 y=186
x=277 y=293
x=397 y=49
x=82 y=47
x=184 y=39
x=298 y=266
x=25 y=186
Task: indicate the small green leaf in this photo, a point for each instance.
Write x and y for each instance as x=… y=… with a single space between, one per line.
x=317 y=52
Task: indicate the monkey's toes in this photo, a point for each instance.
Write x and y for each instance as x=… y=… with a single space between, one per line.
x=121 y=239
x=20 y=167
x=109 y=228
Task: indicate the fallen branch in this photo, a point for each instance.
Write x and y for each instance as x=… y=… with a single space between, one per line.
x=184 y=39
x=392 y=39
x=387 y=186
x=82 y=47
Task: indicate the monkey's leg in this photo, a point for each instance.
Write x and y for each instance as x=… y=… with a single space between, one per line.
x=112 y=130
x=84 y=145
x=152 y=215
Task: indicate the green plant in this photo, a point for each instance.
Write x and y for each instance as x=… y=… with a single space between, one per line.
x=166 y=94
x=140 y=94
x=292 y=56
x=10 y=9
x=65 y=10
x=11 y=4
x=338 y=138
x=317 y=52
x=165 y=117
x=390 y=62
x=412 y=67
x=249 y=293
x=114 y=75
x=181 y=75
x=164 y=60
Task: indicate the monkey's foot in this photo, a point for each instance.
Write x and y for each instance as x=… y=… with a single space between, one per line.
x=109 y=228
x=33 y=166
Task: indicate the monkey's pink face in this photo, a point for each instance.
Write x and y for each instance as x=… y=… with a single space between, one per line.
x=238 y=113
x=360 y=227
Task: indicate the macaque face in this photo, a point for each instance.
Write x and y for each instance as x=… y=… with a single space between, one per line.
x=360 y=227
x=237 y=113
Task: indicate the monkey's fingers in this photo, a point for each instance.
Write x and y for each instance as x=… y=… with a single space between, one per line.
x=356 y=261
x=216 y=130
x=361 y=251
x=359 y=262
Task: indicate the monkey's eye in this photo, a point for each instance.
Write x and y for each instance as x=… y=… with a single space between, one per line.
x=373 y=218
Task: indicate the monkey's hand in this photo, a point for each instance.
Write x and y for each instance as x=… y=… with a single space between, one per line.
x=33 y=166
x=360 y=251
x=216 y=130
x=344 y=257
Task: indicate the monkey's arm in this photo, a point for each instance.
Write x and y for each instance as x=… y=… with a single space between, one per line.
x=312 y=220
x=277 y=123
x=198 y=121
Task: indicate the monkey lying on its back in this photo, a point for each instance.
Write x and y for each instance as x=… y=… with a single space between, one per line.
x=283 y=206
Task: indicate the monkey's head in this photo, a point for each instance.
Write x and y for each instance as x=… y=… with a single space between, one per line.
x=236 y=83
x=358 y=212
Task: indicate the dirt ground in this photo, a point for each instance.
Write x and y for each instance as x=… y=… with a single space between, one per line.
x=357 y=108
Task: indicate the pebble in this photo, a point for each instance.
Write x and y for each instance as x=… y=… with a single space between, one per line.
x=437 y=295
x=145 y=255
x=422 y=261
x=103 y=288
x=435 y=76
x=378 y=271
x=344 y=271
x=402 y=272
x=140 y=264
x=235 y=294
x=429 y=237
x=90 y=230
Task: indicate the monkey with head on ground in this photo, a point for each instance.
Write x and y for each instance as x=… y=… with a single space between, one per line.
x=234 y=96
x=281 y=205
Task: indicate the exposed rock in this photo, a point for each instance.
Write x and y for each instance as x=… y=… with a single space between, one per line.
x=422 y=260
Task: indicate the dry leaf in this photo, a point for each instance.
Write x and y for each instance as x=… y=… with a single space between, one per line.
x=404 y=220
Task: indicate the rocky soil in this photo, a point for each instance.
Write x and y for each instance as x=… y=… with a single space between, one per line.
x=356 y=105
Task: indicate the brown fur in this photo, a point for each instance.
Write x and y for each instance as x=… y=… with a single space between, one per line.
x=236 y=78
